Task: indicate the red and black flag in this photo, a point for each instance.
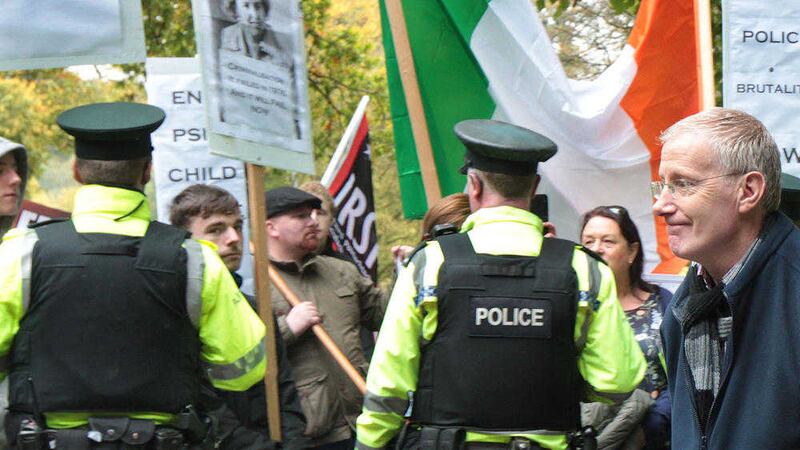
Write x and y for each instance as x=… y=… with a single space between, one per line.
x=349 y=181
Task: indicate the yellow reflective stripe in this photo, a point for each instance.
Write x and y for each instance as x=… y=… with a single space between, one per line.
x=62 y=420
x=381 y=404
x=429 y=276
x=616 y=398
x=238 y=368
x=589 y=300
x=548 y=439
x=195 y=268
x=580 y=343
x=26 y=261
x=362 y=446
x=595 y=278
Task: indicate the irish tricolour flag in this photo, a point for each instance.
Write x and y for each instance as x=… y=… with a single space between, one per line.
x=493 y=59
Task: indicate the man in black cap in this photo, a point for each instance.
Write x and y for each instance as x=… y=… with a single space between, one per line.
x=494 y=333
x=334 y=293
x=114 y=325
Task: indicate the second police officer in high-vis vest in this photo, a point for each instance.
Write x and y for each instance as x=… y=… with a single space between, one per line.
x=494 y=334
x=111 y=325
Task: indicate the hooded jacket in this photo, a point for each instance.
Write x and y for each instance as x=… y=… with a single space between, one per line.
x=756 y=406
x=21 y=155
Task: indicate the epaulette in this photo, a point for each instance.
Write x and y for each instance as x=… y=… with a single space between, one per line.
x=47 y=222
x=414 y=252
x=592 y=254
x=443 y=229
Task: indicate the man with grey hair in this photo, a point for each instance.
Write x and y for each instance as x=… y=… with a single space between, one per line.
x=729 y=336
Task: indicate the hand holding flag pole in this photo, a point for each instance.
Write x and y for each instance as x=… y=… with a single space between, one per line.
x=320 y=332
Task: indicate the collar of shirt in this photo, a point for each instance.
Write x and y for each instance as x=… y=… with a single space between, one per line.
x=504 y=230
x=733 y=271
x=485 y=216
x=292 y=267
x=104 y=209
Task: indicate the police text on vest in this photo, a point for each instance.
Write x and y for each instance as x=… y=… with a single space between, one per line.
x=510 y=317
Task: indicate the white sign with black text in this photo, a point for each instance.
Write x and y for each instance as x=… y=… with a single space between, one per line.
x=761 y=69
x=58 y=33
x=254 y=74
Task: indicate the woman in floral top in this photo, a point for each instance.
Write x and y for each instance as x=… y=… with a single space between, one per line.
x=610 y=232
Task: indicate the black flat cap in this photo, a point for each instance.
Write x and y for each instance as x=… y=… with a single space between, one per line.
x=500 y=147
x=284 y=199
x=112 y=131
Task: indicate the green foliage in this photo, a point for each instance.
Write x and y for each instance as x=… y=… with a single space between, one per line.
x=619 y=6
x=560 y=5
x=625 y=6
x=31 y=100
x=169 y=29
x=345 y=61
x=559 y=9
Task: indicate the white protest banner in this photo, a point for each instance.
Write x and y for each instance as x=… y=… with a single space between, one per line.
x=761 y=69
x=181 y=157
x=254 y=76
x=60 y=33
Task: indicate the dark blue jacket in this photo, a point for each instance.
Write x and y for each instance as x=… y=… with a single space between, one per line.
x=758 y=406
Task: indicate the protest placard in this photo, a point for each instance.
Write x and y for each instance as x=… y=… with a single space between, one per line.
x=181 y=157
x=761 y=58
x=60 y=33
x=254 y=76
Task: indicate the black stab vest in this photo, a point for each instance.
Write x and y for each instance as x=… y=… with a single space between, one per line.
x=107 y=327
x=503 y=356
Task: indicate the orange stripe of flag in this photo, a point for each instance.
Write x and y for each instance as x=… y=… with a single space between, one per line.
x=665 y=89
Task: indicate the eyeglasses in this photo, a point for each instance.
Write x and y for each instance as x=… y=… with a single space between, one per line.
x=616 y=210
x=681 y=187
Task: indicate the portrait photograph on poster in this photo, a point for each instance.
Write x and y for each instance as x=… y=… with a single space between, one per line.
x=253 y=64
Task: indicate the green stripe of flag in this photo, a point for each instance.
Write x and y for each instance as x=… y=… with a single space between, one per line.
x=452 y=86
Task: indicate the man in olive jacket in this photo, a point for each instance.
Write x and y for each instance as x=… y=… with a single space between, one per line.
x=334 y=294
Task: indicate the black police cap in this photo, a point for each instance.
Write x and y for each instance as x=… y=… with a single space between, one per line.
x=284 y=199
x=112 y=131
x=500 y=147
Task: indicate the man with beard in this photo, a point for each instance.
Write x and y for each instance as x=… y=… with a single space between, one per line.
x=333 y=292
x=212 y=214
x=13 y=175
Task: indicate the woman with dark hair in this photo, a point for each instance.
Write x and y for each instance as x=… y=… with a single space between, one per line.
x=610 y=232
x=452 y=210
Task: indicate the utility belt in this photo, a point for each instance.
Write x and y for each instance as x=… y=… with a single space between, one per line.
x=119 y=433
x=453 y=438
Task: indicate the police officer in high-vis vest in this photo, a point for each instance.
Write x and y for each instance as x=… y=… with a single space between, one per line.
x=494 y=334
x=111 y=325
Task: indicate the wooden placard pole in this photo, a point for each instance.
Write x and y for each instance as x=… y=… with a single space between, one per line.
x=258 y=236
x=322 y=335
x=705 y=54
x=408 y=76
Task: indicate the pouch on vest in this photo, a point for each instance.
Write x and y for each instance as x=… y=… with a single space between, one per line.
x=107 y=327
x=503 y=356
